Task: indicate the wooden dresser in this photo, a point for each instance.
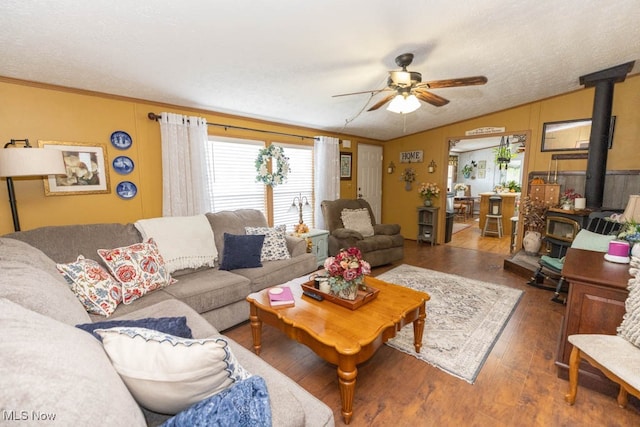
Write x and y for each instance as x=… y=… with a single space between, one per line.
x=547 y=194
x=595 y=305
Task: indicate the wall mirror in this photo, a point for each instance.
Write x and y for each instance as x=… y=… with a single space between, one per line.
x=570 y=135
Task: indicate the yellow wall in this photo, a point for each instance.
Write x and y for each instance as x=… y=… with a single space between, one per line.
x=399 y=206
x=41 y=112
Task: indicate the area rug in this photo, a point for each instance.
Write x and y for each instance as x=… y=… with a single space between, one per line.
x=465 y=318
x=459 y=226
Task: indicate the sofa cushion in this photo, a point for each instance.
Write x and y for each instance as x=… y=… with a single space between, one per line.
x=139 y=268
x=275 y=243
x=358 y=220
x=185 y=242
x=277 y=272
x=98 y=292
x=241 y=251
x=38 y=288
x=63 y=243
x=245 y=403
x=169 y=325
x=233 y=222
x=167 y=374
x=61 y=370
x=210 y=289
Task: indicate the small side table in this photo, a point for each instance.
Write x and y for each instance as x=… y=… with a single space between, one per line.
x=427 y=225
x=319 y=243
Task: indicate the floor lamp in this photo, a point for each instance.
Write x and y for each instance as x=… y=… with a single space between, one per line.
x=27 y=161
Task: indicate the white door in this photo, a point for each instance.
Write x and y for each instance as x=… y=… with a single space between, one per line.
x=370 y=177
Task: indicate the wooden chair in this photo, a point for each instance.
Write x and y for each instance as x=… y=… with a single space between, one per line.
x=550 y=267
x=616 y=356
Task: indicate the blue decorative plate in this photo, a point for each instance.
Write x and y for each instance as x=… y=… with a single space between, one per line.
x=126 y=189
x=121 y=140
x=123 y=165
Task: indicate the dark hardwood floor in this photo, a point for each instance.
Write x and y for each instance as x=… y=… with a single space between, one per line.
x=517 y=386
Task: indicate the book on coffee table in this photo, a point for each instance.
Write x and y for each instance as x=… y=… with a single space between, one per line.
x=281 y=297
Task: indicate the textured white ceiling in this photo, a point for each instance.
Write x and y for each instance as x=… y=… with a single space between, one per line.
x=281 y=60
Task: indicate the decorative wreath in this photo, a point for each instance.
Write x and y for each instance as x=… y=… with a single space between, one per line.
x=279 y=176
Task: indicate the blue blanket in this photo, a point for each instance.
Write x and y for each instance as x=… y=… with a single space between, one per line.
x=245 y=403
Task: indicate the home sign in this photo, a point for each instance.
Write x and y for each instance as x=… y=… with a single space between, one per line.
x=411 y=156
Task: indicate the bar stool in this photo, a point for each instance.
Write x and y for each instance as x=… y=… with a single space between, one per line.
x=514 y=233
x=494 y=216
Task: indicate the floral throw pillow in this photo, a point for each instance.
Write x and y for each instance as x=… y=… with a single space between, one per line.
x=98 y=292
x=275 y=243
x=139 y=268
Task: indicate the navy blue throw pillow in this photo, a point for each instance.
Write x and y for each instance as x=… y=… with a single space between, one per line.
x=176 y=326
x=241 y=251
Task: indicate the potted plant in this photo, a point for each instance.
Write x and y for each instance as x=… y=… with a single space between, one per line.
x=534 y=216
x=346 y=272
x=427 y=191
x=513 y=186
x=466 y=170
x=568 y=198
x=460 y=189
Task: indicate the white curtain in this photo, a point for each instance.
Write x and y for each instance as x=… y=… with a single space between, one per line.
x=326 y=160
x=184 y=182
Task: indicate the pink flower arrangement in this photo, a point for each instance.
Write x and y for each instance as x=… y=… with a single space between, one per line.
x=348 y=265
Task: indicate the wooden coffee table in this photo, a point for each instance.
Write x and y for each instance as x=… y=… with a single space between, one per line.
x=339 y=335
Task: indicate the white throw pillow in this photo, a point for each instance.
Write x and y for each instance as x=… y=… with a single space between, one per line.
x=167 y=374
x=629 y=329
x=275 y=243
x=183 y=241
x=358 y=220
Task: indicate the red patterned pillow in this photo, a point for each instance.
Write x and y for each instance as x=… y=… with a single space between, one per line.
x=98 y=292
x=139 y=268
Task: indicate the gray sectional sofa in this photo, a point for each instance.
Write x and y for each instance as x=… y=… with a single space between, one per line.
x=48 y=365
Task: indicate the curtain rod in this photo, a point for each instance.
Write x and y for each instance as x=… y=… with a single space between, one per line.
x=156 y=117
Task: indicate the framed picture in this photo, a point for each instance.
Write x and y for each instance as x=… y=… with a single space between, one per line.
x=345 y=165
x=570 y=135
x=86 y=171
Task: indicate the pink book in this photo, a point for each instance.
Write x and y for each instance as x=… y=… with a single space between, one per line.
x=281 y=297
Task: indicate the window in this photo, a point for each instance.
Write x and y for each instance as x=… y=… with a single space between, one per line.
x=232 y=176
x=299 y=183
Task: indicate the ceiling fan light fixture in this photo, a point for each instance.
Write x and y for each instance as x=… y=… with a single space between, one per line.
x=400 y=78
x=404 y=104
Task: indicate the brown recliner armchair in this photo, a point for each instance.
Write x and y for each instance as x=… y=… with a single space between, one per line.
x=386 y=245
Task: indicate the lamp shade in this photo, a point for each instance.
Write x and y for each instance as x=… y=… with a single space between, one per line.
x=632 y=211
x=31 y=162
x=404 y=105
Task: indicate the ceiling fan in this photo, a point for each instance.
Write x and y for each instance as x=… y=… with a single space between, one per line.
x=407 y=88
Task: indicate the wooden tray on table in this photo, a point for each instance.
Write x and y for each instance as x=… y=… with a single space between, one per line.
x=362 y=297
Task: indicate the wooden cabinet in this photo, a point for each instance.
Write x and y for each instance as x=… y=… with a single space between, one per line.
x=595 y=305
x=427 y=225
x=548 y=194
x=319 y=243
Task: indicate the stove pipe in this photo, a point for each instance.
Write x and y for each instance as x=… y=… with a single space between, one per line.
x=603 y=81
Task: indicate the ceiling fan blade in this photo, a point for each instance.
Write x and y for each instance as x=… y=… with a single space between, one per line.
x=464 y=81
x=431 y=98
x=382 y=101
x=372 y=92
